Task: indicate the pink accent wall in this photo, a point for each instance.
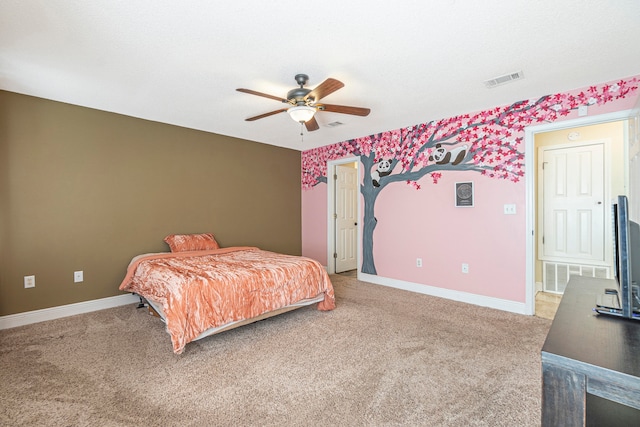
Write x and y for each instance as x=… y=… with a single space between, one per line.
x=425 y=224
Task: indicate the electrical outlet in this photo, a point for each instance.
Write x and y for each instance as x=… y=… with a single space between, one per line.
x=465 y=268
x=510 y=209
x=78 y=276
x=29 y=281
x=418 y=262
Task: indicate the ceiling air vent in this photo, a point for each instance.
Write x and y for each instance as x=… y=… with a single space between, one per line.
x=334 y=124
x=497 y=81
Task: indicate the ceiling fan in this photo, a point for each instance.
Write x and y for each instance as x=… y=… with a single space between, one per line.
x=303 y=102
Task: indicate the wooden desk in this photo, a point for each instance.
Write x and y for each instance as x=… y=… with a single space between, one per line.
x=590 y=361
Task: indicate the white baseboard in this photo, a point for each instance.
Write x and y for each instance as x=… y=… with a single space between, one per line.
x=484 y=301
x=29 y=317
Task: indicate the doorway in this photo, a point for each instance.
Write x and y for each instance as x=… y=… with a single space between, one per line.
x=343 y=215
x=572 y=133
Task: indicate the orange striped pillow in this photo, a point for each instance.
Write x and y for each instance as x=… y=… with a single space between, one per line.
x=191 y=242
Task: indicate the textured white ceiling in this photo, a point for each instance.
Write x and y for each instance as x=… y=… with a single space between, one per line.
x=409 y=61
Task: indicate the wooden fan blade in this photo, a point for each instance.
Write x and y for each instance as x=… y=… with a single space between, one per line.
x=265 y=95
x=343 y=109
x=312 y=124
x=262 y=116
x=325 y=88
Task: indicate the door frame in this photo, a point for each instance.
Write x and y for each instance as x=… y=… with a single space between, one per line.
x=530 y=178
x=331 y=208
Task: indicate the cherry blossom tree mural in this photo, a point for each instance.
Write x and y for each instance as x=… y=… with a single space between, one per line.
x=487 y=142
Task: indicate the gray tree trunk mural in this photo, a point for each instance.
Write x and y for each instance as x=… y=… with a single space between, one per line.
x=370 y=193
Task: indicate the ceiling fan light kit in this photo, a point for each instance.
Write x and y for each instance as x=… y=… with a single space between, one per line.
x=304 y=104
x=301 y=113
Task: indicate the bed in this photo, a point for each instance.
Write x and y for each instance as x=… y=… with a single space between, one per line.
x=199 y=289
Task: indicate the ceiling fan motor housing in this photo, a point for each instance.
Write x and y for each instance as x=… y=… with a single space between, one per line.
x=296 y=96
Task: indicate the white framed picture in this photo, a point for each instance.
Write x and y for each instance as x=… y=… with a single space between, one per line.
x=464 y=194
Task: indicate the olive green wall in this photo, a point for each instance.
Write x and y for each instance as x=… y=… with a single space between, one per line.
x=82 y=189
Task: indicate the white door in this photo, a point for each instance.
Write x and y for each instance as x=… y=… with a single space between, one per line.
x=574 y=204
x=346 y=224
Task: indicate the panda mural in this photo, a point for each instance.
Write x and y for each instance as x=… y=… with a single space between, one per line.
x=442 y=156
x=383 y=168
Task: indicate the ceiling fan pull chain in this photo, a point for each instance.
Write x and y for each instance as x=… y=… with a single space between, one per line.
x=301 y=135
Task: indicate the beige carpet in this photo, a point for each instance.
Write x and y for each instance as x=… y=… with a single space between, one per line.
x=384 y=357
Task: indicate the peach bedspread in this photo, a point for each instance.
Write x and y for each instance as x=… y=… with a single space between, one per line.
x=199 y=290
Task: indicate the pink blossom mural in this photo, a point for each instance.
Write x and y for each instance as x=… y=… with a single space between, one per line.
x=487 y=142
